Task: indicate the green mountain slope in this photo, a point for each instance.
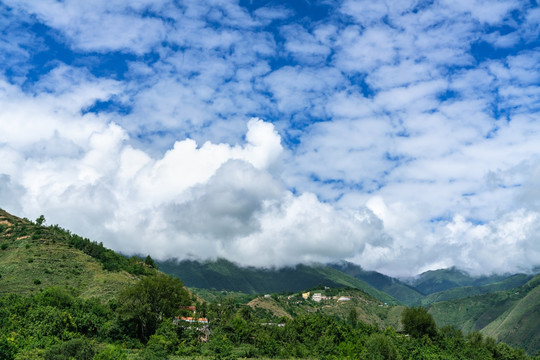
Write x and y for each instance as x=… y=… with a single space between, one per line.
x=225 y=275
x=511 y=316
x=434 y=281
x=397 y=289
x=509 y=283
x=34 y=257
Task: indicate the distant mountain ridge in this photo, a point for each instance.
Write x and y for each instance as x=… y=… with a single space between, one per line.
x=222 y=274
x=427 y=288
x=434 y=281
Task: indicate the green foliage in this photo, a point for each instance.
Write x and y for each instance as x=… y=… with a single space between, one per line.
x=152 y=299
x=417 y=322
x=150 y=262
x=111 y=352
x=40 y=220
x=7 y=348
x=380 y=347
x=80 y=349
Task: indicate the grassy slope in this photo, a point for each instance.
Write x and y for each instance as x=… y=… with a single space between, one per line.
x=224 y=275
x=30 y=257
x=511 y=316
x=520 y=325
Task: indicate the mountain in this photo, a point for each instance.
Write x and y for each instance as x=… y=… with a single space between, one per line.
x=394 y=287
x=512 y=316
x=511 y=282
x=222 y=274
x=434 y=281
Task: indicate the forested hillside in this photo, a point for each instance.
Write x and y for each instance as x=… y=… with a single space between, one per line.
x=511 y=316
x=225 y=275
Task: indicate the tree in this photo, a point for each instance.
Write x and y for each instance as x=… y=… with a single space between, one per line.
x=417 y=322
x=40 y=220
x=380 y=347
x=151 y=300
x=150 y=262
x=353 y=317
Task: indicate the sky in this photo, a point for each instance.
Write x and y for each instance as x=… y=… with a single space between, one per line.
x=402 y=136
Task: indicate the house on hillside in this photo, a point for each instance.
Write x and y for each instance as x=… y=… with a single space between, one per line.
x=317 y=297
x=344 y=298
x=191 y=319
x=305 y=295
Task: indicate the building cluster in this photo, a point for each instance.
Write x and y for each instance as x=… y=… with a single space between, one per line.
x=319 y=297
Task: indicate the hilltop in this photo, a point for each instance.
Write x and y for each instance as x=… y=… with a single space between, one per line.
x=334 y=302
x=34 y=257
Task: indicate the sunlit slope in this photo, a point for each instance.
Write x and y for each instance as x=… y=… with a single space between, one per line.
x=33 y=257
x=366 y=308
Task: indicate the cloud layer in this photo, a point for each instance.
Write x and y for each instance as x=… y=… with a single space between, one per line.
x=402 y=136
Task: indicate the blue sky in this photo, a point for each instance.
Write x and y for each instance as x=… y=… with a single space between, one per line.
x=403 y=136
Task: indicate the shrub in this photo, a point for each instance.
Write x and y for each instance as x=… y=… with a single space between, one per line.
x=111 y=352
x=380 y=347
x=37 y=281
x=80 y=349
x=4 y=246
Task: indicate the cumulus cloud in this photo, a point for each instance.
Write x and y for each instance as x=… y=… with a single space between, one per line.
x=392 y=130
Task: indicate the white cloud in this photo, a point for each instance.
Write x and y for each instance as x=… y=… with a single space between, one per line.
x=398 y=142
x=100 y=25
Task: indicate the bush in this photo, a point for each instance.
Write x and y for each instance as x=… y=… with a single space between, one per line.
x=380 y=347
x=111 y=352
x=80 y=349
x=7 y=349
x=4 y=246
x=37 y=281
